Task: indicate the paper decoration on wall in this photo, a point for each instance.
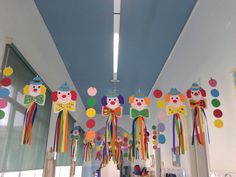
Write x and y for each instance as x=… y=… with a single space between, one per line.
x=154 y=137
x=197 y=102
x=161 y=116
x=88 y=145
x=99 y=146
x=111 y=109
x=119 y=152
x=177 y=109
x=63 y=101
x=125 y=145
x=139 y=111
x=4 y=91
x=74 y=135
x=34 y=95
x=215 y=102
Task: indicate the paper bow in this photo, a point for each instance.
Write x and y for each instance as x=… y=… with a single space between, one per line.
x=107 y=111
x=134 y=113
x=40 y=99
x=201 y=103
x=181 y=110
x=70 y=106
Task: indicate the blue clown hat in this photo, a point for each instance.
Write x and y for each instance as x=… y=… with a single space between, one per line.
x=64 y=87
x=195 y=87
x=139 y=94
x=36 y=81
x=174 y=91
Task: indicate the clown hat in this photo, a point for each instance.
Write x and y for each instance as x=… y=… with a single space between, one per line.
x=195 y=87
x=174 y=91
x=139 y=94
x=64 y=87
x=137 y=170
x=36 y=81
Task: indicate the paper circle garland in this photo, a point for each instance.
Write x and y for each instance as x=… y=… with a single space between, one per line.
x=90 y=123
x=161 y=115
x=92 y=91
x=90 y=135
x=161 y=139
x=6 y=81
x=161 y=127
x=3 y=103
x=91 y=102
x=212 y=82
x=155 y=147
x=218 y=123
x=8 y=71
x=91 y=112
x=215 y=93
x=4 y=92
x=160 y=104
x=215 y=103
x=218 y=113
x=157 y=93
x=2 y=114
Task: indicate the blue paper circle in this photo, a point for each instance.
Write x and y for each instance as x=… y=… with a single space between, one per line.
x=4 y=92
x=161 y=127
x=161 y=139
x=215 y=93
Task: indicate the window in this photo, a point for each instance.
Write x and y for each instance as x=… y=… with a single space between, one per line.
x=14 y=156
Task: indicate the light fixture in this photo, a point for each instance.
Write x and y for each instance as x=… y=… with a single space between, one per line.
x=116 y=40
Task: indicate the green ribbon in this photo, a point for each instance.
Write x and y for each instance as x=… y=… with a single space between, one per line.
x=135 y=113
x=40 y=99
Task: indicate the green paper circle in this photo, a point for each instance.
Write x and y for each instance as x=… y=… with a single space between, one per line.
x=2 y=114
x=215 y=103
x=91 y=102
x=154 y=127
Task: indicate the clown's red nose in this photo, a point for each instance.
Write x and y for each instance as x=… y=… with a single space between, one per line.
x=139 y=104
x=63 y=96
x=112 y=102
x=175 y=101
x=35 y=90
x=196 y=94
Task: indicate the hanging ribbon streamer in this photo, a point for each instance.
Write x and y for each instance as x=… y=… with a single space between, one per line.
x=63 y=101
x=112 y=110
x=74 y=135
x=34 y=94
x=99 y=145
x=197 y=103
x=88 y=151
x=138 y=111
x=177 y=109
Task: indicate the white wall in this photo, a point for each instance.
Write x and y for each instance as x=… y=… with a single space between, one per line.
x=21 y=21
x=207 y=48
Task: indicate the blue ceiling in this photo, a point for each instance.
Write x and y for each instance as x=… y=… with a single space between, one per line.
x=83 y=33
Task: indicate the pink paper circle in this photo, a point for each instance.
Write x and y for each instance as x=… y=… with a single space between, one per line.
x=92 y=91
x=212 y=82
x=161 y=115
x=3 y=103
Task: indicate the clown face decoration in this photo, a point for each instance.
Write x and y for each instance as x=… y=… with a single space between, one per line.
x=35 y=92
x=75 y=133
x=112 y=102
x=139 y=103
x=196 y=93
x=64 y=98
x=174 y=98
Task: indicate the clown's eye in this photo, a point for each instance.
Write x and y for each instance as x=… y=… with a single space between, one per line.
x=59 y=93
x=33 y=86
x=136 y=100
x=141 y=100
x=198 y=92
x=192 y=93
x=114 y=99
x=177 y=98
x=172 y=98
x=68 y=93
x=109 y=99
x=38 y=86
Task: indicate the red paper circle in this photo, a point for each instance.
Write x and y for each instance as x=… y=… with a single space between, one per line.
x=90 y=123
x=125 y=139
x=154 y=137
x=157 y=93
x=212 y=82
x=218 y=113
x=98 y=138
x=6 y=81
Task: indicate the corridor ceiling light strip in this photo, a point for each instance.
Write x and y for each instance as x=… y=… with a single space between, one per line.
x=116 y=37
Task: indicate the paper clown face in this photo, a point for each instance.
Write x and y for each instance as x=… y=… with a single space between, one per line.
x=174 y=98
x=112 y=101
x=196 y=93
x=35 y=92
x=139 y=102
x=64 y=98
x=75 y=133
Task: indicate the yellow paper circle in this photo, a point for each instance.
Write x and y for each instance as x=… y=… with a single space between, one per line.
x=160 y=104
x=98 y=148
x=8 y=71
x=90 y=112
x=154 y=142
x=218 y=123
x=125 y=134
